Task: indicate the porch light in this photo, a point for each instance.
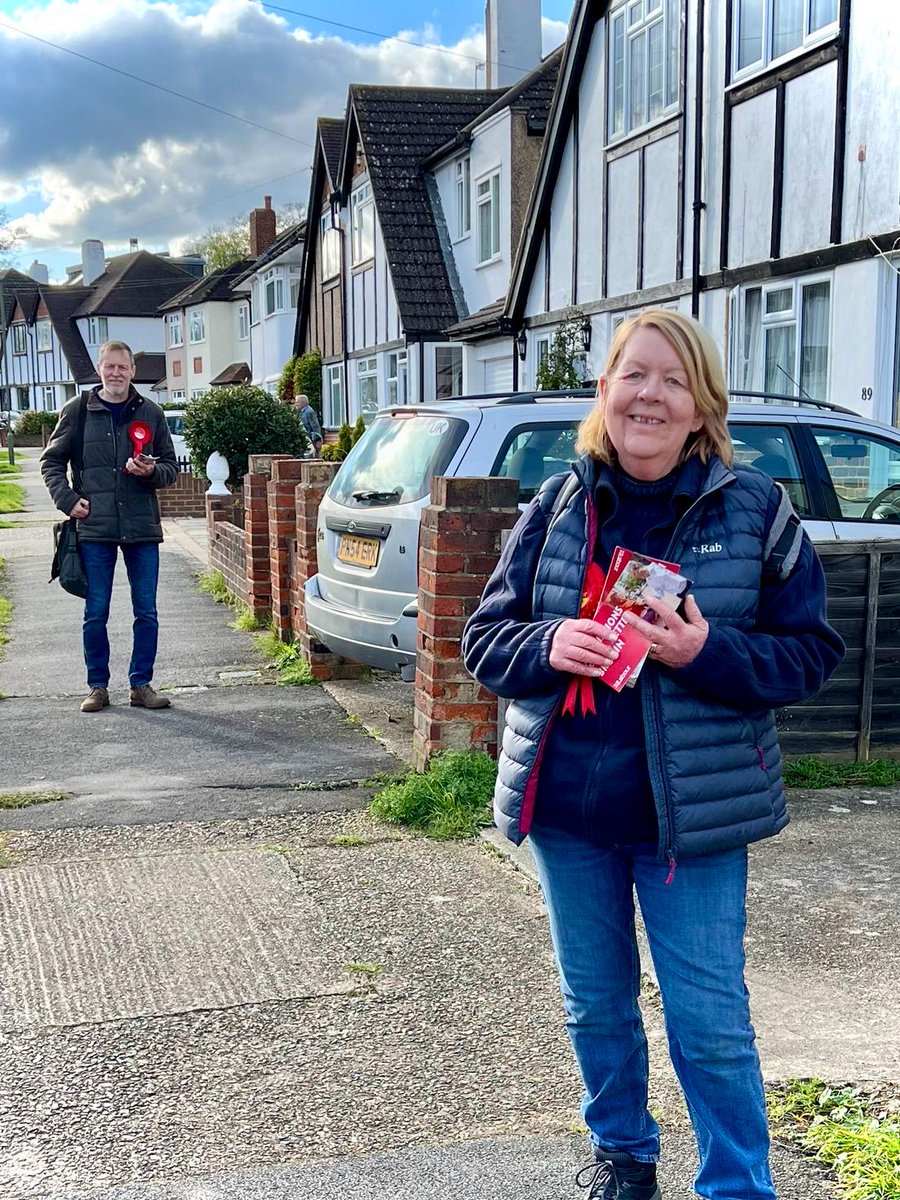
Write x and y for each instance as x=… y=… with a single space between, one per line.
x=586 y=330
x=522 y=344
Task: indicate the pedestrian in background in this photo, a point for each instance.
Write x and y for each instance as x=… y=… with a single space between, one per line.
x=658 y=789
x=112 y=493
x=310 y=422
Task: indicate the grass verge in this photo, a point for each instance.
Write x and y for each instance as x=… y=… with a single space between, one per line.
x=212 y=583
x=12 y=497
x=5 y=610
x=853 y=1131
x=292 y=667
x=26 y=799
x=452 y=799
x=807 y=771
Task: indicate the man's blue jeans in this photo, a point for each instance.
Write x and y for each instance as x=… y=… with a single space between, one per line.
x=695 y=928
x=142 y=564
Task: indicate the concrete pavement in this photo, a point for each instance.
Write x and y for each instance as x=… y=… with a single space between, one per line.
x=220 y=979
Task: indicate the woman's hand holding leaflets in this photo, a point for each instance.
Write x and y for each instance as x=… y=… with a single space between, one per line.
x=582 y=647
x=675 y=640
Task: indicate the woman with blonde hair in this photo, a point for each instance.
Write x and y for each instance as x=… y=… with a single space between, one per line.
x=656 y=790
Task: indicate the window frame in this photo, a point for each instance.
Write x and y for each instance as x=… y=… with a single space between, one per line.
x=331 y=246
x=747 y=365
x=175 y=324
x=463 y=192
x=43 y=333
x=397 y=371
x=809 y=39
x=243 y=321
x=666 y=15
x=97 y=331
x=334 y=416
x=178 y=396
x=362 y=225
x=19 y=337
x=367 y=369
x=489 y=199
x=51 y=397
x=273 y=280
x=254 y=303
x=458 y=373
x=196 y=317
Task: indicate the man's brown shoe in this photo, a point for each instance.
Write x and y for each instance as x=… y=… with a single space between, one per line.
x=145 y=697
x=99 y=698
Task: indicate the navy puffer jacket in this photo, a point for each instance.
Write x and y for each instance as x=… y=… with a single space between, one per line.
x=713 y=755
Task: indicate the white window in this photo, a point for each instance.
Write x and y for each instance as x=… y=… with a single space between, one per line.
x=18 y=332
x=97 y=331
x=177 y=396
x=783 y=339
x=48 y=398
x=197 y=392
x=644 y=58
x=331 y=246
x=367 y=387
x=334 y=396
x=764 y=30
x=254 y=302
x=294 y=286
x=197 y=325
x=243 y=322
x=448 y=372
x=487 y=217
x=463 y=198
x=273 y=292
x=24 y=400
x=44 y=336
x=176 y=329
x=541 y=350
x=362 y=224
x=397 y=377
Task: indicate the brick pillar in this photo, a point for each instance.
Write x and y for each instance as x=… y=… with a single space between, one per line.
x=218 y=508
x=315 y=478
x=458 y=549
x=256 y=534
x=282 y=531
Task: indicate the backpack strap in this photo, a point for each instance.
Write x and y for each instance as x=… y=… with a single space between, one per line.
x=782 y=547
x=77 y=455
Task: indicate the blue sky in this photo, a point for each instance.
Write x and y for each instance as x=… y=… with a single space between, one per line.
x=90 y=153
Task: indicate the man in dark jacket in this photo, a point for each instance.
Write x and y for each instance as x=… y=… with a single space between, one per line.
x=125 y=454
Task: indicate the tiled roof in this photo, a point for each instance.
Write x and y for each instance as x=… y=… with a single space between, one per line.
x=331 y=135
x=238 y=372
x=216 y=286
x=17 y=286
x=398 y=128
x=487 y=319
x=533 y=94
x=134 y=285
x=148 y=367
x=62 y=305
x=290 y=237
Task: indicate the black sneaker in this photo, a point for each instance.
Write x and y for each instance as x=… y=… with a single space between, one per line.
x=619 y=1177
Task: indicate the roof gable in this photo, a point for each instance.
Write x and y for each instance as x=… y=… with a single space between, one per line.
x=217 y=286
x=134 y=285
x=62 y=305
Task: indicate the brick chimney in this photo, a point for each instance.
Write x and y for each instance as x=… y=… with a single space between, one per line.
x=262 y=228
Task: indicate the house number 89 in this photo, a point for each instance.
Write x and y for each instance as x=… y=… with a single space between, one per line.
x=866 y=394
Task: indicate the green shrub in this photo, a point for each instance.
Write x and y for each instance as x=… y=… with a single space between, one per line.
x=284 y=388
x=452 y=799
x=238 y=421
x=347 y=439
x=563 y=366
x=32 y=423
x=308 y=379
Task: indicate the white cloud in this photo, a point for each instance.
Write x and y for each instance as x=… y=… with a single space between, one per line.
x=112 y=158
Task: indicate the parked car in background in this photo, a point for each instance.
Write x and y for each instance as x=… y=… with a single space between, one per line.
x=841 y=471
x=175 y=421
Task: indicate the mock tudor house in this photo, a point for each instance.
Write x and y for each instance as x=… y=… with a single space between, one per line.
x=417 y=202
x=738 y=161
x=272 y=279
x=54 y=333
x=207 y=335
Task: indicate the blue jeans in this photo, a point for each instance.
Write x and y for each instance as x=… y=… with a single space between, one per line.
x=142 y=565
x=695 y=928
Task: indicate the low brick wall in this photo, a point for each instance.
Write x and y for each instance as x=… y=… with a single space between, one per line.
x=185 y=498
x=461 y=535
x=227 y=547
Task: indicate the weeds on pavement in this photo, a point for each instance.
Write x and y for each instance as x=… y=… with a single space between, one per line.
x=212 y=583
x=26 y=799
x=452 y=799
x=854 y=1131
x=5 y=610
x=288 y=659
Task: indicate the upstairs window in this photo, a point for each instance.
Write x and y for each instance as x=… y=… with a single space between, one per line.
x=197 y=325
x=463 y=198
x=176 y=329
x=44 y=336
x=18 y=332
x=362 y=224
x=487 y=207
x=97 y=331
x=294 y=287
x=765 y=30
x=254 y=302
x=273 y=292
x=331 y=247
x=644 y=63
x=243 y=322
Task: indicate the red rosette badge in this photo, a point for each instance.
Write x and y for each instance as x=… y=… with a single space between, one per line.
x=139 y=435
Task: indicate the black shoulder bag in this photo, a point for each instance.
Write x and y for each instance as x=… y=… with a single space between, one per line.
x=67 y=566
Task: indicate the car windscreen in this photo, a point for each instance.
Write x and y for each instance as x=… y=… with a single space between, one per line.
x=395 y=459
x=175 y=421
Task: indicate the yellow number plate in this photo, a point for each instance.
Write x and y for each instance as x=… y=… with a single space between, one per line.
x=360 y=551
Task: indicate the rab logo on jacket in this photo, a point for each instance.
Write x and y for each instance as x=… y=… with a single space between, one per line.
x=707 y=548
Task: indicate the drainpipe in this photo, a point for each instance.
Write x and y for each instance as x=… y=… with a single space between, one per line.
x=698 y=205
